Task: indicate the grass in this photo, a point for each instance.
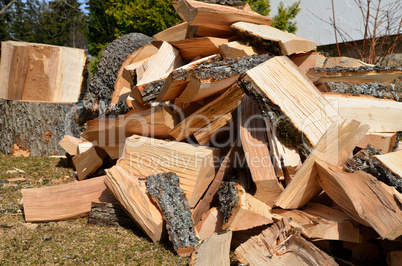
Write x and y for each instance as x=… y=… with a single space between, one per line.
x=66 y=242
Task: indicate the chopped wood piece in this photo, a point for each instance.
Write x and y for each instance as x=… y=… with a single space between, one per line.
x=203 y=46
x=84 y=146
x=222 y=105
x=293 y=103
x=281 y=245
x=307 y=60
x=216 y=16
x=62 y=202
x=343 y=62
x=383 y=141
x=40 y=72
x=367 y=200
x=133 y=197
x=170 y=197
x=211 y=79
x=111 y=133
x=177 y=81
x=382 y=115
x=393 y=161
x=70 y=144
x=215 y=250
x=224 y=169
x=239 y=49
x=204 y=134
x=321 y=222
x=211 y=222
x=194 y=165
x=255 y=145
x=355 y=75
x=243 y=5
x=175 y=33
x=334 y=147
x=273 y=40
x=375 y=89
x=108 y=214
x=88 y=162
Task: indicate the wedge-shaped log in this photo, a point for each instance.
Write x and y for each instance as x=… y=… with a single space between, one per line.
x=381 y=115
x=308 y=60
x=40 y=72
x=205 y=134
x=383 y=141
x=334 y=147
x=194 y=47
x=111 y=133
x=62 y=202
x=70 y=144
x=321 y=222
x=367 y=200
x=215 y=250
x=237 y=49
x=255 y=145
x=281 y=245
x=216 y=17
x=222 y=105
x=375 y=89
x=393 y=161
x=273 y=40
x=193 y=164
x=89 y=161
x=343 y=62
x=166 y=192
x=175 y=33
x=357 y=75
x=211 y=222
x=298 y=109
x=133 y=197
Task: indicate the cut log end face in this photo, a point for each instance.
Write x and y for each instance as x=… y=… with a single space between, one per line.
x=228 y=195
x=164 y=188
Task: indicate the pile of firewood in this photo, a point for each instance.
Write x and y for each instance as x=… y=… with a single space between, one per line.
x=241 y=136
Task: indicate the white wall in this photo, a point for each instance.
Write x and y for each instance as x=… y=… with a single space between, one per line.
x=310 y=21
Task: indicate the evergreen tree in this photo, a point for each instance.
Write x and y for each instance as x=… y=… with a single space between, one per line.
x=283 y=20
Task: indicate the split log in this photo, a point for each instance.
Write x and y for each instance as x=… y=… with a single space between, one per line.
x=36 y=127
x=308 y=60
x=381 y=115
x=375 y=89
x=84 y=146
x=62 y=202
x=281 y=245
x=317 y=221
x=355 y=75
x=273 y=40
x=238 y=49
x=194 y=165
x=364 y=198
x=175 y=33
x=200 y=14
x=209 y=80
x=88 y=162
x=111 y=133
x=211 y=222
x=334 y=147
x=383 y=141
x=133 y=197
x=70 y=144
x=214 y=251
x=108 y=214
x=277 y=85
x=205 y=134
x=177 y=81
x=393 y=161
x=40 y=72
x=222 y=105
x=344 y=61
x=192 y=48
x=255 y=145
x=166 y=192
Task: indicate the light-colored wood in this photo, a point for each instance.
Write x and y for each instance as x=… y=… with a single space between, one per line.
x=134 y=198
x=203 y=46
x=41 y=73
x=70 y=144
x=194 y=165
x=393 y=161
x=88 y=162
x=210 y=223
x=366 y=199
x=175 y=33
x=177 y=81
x=382 y=115
x=282 y=84
x=204 y=134
x=382 y=141
x=343 y=62
x=214 y=251
x=216 y=17
x=308 y=60
x=237 y=49
x=335 y=146
x=317 y=221
x=224 y=104
x=111 y=133
x=84 y=146
x=281 y=245
x=254 y=140
x=62 y=202
x=289 y=43
x=356 y=75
